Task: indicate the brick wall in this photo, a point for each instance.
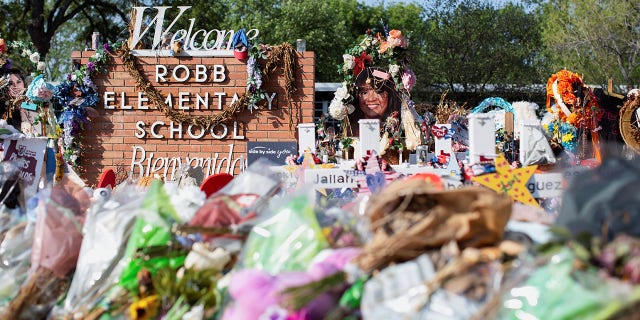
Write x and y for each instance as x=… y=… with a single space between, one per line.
x=111 y=140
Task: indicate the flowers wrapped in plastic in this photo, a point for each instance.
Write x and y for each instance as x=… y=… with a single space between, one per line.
x=107 y=228
x=56 y=245
x=148 y=247
x=308 y=294
x=286 y=241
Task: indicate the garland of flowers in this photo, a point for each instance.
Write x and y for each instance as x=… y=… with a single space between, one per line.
x=227 y=113
x=78 y=92
x=388 y=51
x=25 y=49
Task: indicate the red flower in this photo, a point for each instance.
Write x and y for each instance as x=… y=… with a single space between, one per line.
x=361 y=62
x=3 y=46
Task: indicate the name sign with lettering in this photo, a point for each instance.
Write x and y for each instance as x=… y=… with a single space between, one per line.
x=551 y=185
x=330 y=178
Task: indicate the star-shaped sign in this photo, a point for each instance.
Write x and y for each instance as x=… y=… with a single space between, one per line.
x=511 y=182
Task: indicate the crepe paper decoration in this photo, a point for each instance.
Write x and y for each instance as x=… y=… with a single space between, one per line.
x=511 y=182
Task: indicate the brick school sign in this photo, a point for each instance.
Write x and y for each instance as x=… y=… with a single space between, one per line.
x=130 y=131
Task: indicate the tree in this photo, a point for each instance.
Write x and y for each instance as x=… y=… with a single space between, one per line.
x=596 y=38
x=60 y=26
x=473 y=47
x=45 y=21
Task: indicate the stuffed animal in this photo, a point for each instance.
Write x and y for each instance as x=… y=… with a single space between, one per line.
x=176 y=48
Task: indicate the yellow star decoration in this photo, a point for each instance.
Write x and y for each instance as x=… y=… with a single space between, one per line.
x=511 y=182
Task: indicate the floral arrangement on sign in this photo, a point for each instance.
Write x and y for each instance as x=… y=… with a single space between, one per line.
x=77 y=95
x=388 y=51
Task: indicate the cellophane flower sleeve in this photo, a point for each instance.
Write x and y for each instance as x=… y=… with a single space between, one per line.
x=286 y=241
x=109 y=223
x=152 y=228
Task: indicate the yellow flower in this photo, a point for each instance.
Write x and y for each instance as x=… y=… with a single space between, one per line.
x=144 y=309
x=567 y=137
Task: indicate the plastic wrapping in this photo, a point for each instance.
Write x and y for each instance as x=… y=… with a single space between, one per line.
x=402 y=292
x=556 y=291
x=58 y=233
x=15 y=259
x=152 y=230
x=237 y=205
x=108 y=226
x=286 y=241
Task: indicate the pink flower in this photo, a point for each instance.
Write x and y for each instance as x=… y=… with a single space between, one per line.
x=408 y=79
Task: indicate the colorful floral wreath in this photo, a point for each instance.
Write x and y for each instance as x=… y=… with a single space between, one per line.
x=77 y=94
x=560 y=87
x=388 y=51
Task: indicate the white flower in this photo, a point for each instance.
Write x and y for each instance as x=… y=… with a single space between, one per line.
x=337 y=109
x=348 y=61
x=342 y=93
x=201 y=258
x=98 y=55
x=34 y=57
x=394 y=69
x=41 y=65
x=26 y=52
x=74 y=77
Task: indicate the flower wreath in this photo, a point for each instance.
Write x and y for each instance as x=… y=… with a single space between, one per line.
x=77 y=94
x=562 y=87
x=389 y=52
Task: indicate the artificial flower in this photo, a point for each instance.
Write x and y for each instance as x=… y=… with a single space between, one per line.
x=3 y=46
x=408 y=79
x=34 y=57
x=396 y=34
x=39 y=90
x=361 y=62
x=394 y=69
x=201 y=258
x=145 y=308
x=568 y=137
x=337 y=109
x=384 y=45
x=349 y=62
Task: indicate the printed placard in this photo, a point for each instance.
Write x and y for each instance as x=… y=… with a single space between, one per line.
x=28 y=155
x=275 y=151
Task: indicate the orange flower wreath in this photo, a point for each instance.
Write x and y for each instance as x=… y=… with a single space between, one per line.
x=562 y=86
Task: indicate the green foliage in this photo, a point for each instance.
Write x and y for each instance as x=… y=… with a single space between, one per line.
x=475 y=45
x=596 y=38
